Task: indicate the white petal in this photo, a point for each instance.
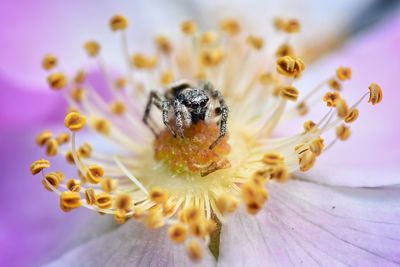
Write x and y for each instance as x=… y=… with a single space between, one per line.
x=130 y=245
x=306 y=224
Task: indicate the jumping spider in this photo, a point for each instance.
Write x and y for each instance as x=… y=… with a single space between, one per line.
x=189 y=105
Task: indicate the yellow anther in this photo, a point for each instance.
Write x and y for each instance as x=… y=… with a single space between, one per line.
x=52 y=147
x=317 y=146
x=230 y=26
x=77 y=94
x=306 y=160
x=138 y=213
x=253 y=207
x=191 y=214
x=101 y=126
x=158 y=195
x=343 y=73
x=255 y=42
x=118 y=107
x=330 y=98
x=118 y=22
x=188 y=27
x=199 y=228
x=57 y=80
x=169 y=208
x=80 y=77
x=38 y=165
x=154 y=219
x=74 y=185
x=103 y=201
x=167 y=77
x=352 y=116
x=90 y=196
x=273 y=158
x=92 y=48
x=75 y=121
x=194 y=250
x=43 y=137
x=108 y=185
x=49 y=62
x=94 y=174
x=70 y=200
x=208 y=38
x=63 y=138
x=120 y=83
x=302 y=108
x=301 y=148
x=267 y=78
x=123 y=201
x=288 y=25
x=289 y=92
x=163 y=44
x=308 y=126
x=253 y=193
x=279 y=23
x=85 y=150
x=335 y=84
x=141 y=61
x=292 y=26
x=261 y=177
x=226 y=203
x=178 y=232
x=284 y=50
x=211 y=226
x=212 y=57
x=343 y=132
x=279 y=173
x=53 y=178
x=290 y=66
x=69 y=157
x=342 y=108
x=375 y=94
x=120 y=216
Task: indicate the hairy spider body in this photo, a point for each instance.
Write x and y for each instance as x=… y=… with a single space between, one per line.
x=189 y=105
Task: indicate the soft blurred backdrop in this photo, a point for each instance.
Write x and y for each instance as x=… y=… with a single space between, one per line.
x=364 y=34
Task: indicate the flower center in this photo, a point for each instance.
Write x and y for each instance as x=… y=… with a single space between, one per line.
x=192 y=154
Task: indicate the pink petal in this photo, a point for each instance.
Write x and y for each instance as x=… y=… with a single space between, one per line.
x=306 y=224
x=130 y=245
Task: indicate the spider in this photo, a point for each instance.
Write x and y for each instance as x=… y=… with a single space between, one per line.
x=189 y=105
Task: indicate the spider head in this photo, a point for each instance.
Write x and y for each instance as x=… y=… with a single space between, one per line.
x=195 y=100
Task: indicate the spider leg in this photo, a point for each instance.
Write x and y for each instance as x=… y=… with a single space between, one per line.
x=165 y=106
x=155 y=99
x=221 y=110
x=179 y=118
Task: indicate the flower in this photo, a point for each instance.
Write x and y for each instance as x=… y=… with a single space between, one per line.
x=192 y=182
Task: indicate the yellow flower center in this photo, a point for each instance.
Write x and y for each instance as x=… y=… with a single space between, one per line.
x=192 y=154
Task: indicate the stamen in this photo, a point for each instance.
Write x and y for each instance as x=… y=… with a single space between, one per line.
x=39 y=165
x=49 y=62
x=178 y=233
x=57 y=80
x=375 y=94
x=43 y=137
x=70 y=201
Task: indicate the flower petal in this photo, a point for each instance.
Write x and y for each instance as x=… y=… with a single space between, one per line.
x=313 y=225
x=130 y=245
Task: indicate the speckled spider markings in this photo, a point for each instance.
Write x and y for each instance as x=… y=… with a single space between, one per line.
x=190 y=105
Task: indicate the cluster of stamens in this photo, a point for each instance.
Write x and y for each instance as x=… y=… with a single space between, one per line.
x=180 y=182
